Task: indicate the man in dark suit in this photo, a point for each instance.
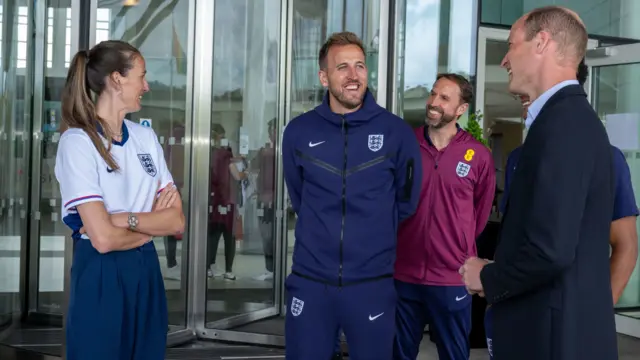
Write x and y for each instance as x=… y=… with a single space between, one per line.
x=549 y=286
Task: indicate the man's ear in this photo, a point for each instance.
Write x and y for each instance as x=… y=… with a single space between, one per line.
x=324 y=78
x=542 y=40
x=462 y=109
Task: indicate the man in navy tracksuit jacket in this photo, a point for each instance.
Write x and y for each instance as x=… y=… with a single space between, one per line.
x=353 y=172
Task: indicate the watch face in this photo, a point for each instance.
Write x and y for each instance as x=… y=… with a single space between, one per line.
x=133 y=220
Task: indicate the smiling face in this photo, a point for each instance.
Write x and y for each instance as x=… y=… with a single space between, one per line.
x=345 y=76
x=133 y=85
x=520 y=61
x=444 y=104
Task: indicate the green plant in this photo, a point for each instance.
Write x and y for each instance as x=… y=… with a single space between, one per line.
x=473 y=128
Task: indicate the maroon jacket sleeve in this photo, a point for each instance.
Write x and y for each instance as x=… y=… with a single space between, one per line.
x=483 y=193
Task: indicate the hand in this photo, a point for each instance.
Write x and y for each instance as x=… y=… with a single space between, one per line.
x=166 y=198
x=470 y=272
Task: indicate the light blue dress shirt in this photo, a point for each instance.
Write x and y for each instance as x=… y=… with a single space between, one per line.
x=537 y=104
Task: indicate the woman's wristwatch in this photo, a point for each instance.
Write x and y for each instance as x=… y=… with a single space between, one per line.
x=132 y=220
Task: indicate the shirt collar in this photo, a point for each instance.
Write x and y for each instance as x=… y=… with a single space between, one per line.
x=426 y=133
x=538 y=104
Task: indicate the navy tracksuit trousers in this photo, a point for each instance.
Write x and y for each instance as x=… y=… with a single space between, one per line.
x=488 y=330
x=315 y=311
x=118 y=306
x=447 y=310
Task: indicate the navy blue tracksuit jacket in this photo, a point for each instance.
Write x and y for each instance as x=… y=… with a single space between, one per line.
x=351 y=179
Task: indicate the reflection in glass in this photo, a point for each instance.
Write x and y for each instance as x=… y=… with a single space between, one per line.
x=616 y=102
x=503 y=111
x=52 y=230
x=240 y=244
x=433 y=37
x=160 y=30
x=14 y=181
x=614 y=18
x=313 y=23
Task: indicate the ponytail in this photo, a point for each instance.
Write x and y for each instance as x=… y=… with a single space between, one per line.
x=79 y=111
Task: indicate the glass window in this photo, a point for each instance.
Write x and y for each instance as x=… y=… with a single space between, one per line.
x=617 y=105
x=616 y=18
x=313 y=22
x=241 y=221
x=23 y=13
x=50 y=33
x=433 y=37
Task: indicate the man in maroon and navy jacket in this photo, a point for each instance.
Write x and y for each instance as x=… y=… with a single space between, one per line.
x=458 y=185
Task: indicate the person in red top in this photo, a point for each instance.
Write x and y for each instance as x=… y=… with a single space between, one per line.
x=458 y=186
x=264 y=166
x=224 y=188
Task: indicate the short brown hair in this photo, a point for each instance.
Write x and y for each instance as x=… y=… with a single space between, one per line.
x=564 y=27
x=466 y=90
x=338 y=39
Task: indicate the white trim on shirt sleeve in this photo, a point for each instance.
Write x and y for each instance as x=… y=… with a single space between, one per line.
x=77 y=172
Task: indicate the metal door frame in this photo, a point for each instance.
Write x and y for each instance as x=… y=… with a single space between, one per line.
x=37 y=15
x=203 y=110
x=612 y=56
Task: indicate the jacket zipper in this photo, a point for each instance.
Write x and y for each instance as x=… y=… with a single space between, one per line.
x=344 y=198
x=430 y=219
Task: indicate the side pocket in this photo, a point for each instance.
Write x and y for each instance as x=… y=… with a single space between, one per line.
x=408 y=184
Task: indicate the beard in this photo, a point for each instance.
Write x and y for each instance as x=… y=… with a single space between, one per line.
x=350 y=100
x=439 y=122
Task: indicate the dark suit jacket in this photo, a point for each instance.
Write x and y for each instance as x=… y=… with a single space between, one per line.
x=550 y=285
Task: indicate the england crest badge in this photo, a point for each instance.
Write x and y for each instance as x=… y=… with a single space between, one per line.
x=296 y=306
x=147 y=164
x=462 y=170
x=376 y=142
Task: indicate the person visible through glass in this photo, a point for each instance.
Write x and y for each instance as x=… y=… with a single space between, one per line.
x=264 y=164
x=175 y=160
x=224 y=179
x=117 y=193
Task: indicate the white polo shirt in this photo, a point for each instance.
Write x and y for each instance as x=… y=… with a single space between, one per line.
x=84 y=176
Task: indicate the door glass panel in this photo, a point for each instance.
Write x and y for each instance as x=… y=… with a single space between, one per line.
x=616 y=103
x=313 y=22
x=14 y=152
x=240 y=242
x=52 y=231
x=160 y=29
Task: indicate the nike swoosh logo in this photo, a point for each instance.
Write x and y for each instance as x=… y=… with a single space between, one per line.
x=460 y=298
x=315 y=144
x=371 y=318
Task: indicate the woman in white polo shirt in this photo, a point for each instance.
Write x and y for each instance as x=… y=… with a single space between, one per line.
x=117 y=194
